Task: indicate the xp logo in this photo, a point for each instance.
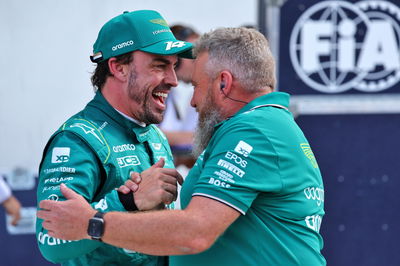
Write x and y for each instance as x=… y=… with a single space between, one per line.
x=243 y=148
x=128 y=160
x=60 y=155
x=336 y=46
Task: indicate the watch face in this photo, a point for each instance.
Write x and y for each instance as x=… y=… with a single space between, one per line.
x=96 y=227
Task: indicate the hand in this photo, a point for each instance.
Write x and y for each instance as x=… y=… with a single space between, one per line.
x=154 y=186
x=68 y=219
x=13 y=208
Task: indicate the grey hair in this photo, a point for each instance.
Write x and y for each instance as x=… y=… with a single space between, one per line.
x=244 y=52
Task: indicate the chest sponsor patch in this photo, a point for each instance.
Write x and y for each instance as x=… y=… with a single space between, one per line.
x=128 y=160
x=60 y=154
x=124 y=147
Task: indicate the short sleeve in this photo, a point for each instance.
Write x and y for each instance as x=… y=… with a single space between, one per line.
x=239 y=163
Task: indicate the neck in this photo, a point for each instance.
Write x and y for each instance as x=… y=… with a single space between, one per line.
x=232 y=107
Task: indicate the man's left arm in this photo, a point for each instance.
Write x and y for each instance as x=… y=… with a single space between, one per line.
x=168 y=232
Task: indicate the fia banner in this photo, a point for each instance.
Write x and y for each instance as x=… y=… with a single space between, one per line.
x=339 y=47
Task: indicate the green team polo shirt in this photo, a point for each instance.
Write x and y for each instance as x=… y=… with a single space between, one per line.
x=93 y=153
x=260 y=163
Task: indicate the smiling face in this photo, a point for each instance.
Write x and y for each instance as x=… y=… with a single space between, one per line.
x=149 y=81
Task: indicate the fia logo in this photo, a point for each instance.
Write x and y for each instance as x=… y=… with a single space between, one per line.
x=60 y=155
x=336 y=46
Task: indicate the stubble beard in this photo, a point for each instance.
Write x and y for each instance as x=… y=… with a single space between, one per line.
x=142 y=97
x=208 y=118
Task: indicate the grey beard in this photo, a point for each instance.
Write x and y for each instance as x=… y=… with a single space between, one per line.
x=205 y=130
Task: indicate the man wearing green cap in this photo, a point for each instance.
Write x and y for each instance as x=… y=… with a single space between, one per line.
x=95 y=150
x=255 y=195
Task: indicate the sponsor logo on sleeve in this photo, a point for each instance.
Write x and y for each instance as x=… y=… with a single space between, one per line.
x=57 y=180
x=313 y=222
x=218 y=183
x=60 y=169
x=53 y=197
x=309 y=154
x=156 y=146
x=51 y=188
x=45 y=239
x=238 y=160
x=128 y=160
x=315 y=193
x=224 y=176
x=243 y=148
x=60 y=155
x=230 y=167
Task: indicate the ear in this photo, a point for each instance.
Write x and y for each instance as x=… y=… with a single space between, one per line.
x=118 y=70
x=226 y=80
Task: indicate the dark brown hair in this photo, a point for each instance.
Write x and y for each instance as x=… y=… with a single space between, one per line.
x=102 y=71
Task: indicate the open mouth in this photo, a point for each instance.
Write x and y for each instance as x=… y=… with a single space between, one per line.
x=160 y=98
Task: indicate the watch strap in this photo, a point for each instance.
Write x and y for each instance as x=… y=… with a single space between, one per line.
x=99 y=214
x=128 y=201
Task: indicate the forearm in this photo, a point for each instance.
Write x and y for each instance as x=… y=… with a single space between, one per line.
x=57 y=250
x=157 y=233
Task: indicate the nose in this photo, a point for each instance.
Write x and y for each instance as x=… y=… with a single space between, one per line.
x=192 y=103
x=170 y=78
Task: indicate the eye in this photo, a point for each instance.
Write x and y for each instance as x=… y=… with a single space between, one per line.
x=160 y=66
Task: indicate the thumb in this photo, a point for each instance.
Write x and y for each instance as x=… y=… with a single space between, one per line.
x=67 y=192
x=159 y=164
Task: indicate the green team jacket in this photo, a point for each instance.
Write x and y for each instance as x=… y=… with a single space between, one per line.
x=93 y=153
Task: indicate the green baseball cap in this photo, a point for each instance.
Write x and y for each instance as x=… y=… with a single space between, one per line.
x=144 y=30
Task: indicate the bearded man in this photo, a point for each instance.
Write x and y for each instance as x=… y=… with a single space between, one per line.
x=249 y=198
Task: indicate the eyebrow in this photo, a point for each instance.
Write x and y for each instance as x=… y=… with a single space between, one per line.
x=162 y=60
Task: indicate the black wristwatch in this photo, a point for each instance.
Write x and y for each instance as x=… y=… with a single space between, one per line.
x=96 y=226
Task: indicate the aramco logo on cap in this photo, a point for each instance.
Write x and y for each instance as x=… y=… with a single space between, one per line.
x=336 y=46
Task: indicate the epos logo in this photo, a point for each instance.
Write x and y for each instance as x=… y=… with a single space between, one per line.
x=336 y=46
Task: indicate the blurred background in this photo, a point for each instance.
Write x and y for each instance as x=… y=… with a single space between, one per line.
x=339 y=59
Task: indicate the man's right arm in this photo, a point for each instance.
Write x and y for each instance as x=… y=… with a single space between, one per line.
x=68 y=160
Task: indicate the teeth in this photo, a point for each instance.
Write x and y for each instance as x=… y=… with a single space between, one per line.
x=160 y=94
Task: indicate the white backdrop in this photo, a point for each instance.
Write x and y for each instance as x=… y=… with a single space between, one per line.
x=45 y=67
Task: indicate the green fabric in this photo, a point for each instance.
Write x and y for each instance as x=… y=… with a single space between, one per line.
x=93 y=153
x=144 y=30
x=259 y=163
